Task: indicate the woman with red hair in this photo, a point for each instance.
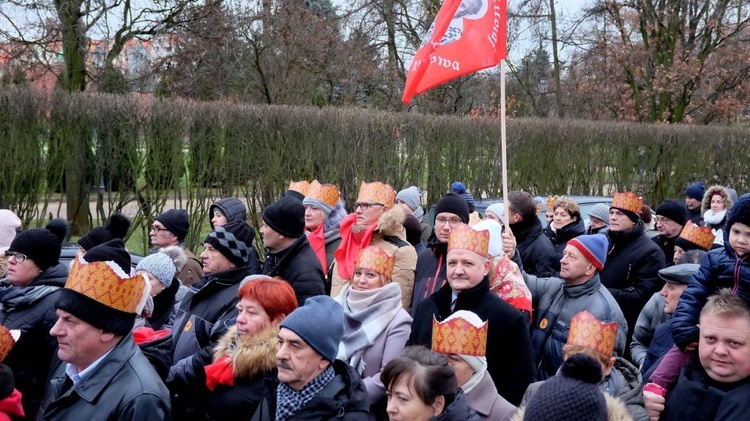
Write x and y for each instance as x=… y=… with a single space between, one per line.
x=246 y=355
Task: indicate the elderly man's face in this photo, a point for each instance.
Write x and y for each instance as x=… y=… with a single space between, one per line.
x=298 y=363
x=79 y=343
x=671 y=293
x=465 y=269
x=724 y=347
x=161 y=236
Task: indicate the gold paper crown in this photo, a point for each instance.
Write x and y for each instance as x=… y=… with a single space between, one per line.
x=538 y=208
x=459 y=336
x=377 y=192
x=588 y=332
x=464 y=237
x=107 y=284
x=326 y=193
x=6 y=342
x=376 y=259
x=628 y=201
x=551 y=201
x=301 y=187
x=702 y=237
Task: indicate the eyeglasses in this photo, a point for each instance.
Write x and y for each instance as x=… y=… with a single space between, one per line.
x=365 y=205
x=156 y=229
x=441 y=220
x=19 y=257
x=662 y=219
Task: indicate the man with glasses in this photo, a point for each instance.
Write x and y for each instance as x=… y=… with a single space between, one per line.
x=450 y=211
x=671 y=216
x=170 y=229
x=375 y=221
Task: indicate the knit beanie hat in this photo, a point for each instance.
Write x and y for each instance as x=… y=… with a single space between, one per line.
x=740 y=212
x=573 y=394
x=9 y=223
x=116 y=227
x=499 y=210
x=454 y=204
x=410 y=196
x=460 y=189
x=600 y=211
x=234 y=241
x=286 y=216
x=176 y=221
x=696 y=191
x=160 y=265
x=320 y=323
x=593 y=247
x=113 y=250
x=39 y=245
x=673 y=209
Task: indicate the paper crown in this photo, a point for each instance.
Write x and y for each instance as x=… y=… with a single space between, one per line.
x=702 y=237
x=551 y=201
x=301 y=187
x=628 y=201
x=377 y=260
x=106 y=283
x=587 y=331
x=464 y=237
x=459 y=336
x=377 y=192
x=6 y=342
x=538 y=208
x=326 y=193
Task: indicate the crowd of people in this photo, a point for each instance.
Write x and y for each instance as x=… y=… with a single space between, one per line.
x=386 y=313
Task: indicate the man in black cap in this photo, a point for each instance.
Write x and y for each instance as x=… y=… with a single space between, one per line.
x=289 y=253
x=693 y=199
x=671 y=216
x=170 y=229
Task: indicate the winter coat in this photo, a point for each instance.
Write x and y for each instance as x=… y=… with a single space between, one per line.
x=666 y=245
x=123 y=386
x=560 y=237
x=11 y=408
x=696 y=216
x=390 y=236
x=511 y=367
x=430 y=273
x=719 y=268
x=631 y=270
x=696 y=396
x=661 y=343
x=716 y=226
x=232 y=208
x=555 y=304
x=602 y=230
x=31 y=309
x=616 y=410
x=299 y=267
x=649 y=319
x=156 y=346
x=193 y=269
x=331 y=235
x=164 y=303
x=487 y=403
x=535 y=249
x=345 y=398
x=458 y=410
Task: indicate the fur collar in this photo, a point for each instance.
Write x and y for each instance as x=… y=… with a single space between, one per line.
x=391 y=223
x=252 y=355
x=616 y=410
x=710 y=192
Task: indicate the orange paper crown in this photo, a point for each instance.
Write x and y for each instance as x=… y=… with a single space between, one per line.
x=376 y=259
x=326 y=193
x=301 y=187
x=551 y=201
x=459 y=336
x=464 y=237
x=588 y=332
x=377 y=192
x=702 y=237
x=6 y=342
x=628 y=201
x=106 y=283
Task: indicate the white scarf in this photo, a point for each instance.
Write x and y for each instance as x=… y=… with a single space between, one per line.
x=479 y=364
x=714 y=218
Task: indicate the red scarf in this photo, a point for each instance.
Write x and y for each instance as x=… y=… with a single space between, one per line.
x=351 y=243
x=317 y=241
x=220 y=372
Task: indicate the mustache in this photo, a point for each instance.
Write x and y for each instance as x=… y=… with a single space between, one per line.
x=283 y=364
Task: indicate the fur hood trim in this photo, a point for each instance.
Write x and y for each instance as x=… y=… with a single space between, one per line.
x=616 y=410
x=252 y=355
x=710 y=192
x=392 y=222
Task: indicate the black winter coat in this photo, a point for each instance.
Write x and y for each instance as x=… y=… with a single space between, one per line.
x=561 y=237
x=163 y=306
x=631 y=271
x=299 y=266
x=511 y=367
x=535 y=249
x=666 y=245
x=344 y=398
x=430 y=273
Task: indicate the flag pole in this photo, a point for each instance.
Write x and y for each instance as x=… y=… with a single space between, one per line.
x=503 y=140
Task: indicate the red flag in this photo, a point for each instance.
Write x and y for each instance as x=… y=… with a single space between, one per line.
x=466 y=36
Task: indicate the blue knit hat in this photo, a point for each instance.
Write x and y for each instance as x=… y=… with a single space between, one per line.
x=696 y=190
x=593 y=247
x=320 y=323
x=460 y=189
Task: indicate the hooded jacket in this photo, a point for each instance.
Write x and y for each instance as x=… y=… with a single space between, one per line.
x=232 y=208
x=535 y=249
x=344 y=398
x=706 y=206
x=299 y=267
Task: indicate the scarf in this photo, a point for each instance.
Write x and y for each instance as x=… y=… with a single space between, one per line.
x=351 y=243
x=714 y=218
x=479 y=364
x=290 y=402
x=366 y=315
x=318 y=243
x=13 y=296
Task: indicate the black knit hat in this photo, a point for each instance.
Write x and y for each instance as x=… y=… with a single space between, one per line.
x=176 y=221
x=673 y=209
x=454 y=204
x=39 y=245
x=740 y=212
x=116 y=227
x=233 y=240
x=573 y=394
x=286 y=216
x=113 y=250
x=413 y=229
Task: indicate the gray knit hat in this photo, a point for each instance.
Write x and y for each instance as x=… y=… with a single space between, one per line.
x=320 y=323
x=160 y=265
x=600 y=211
